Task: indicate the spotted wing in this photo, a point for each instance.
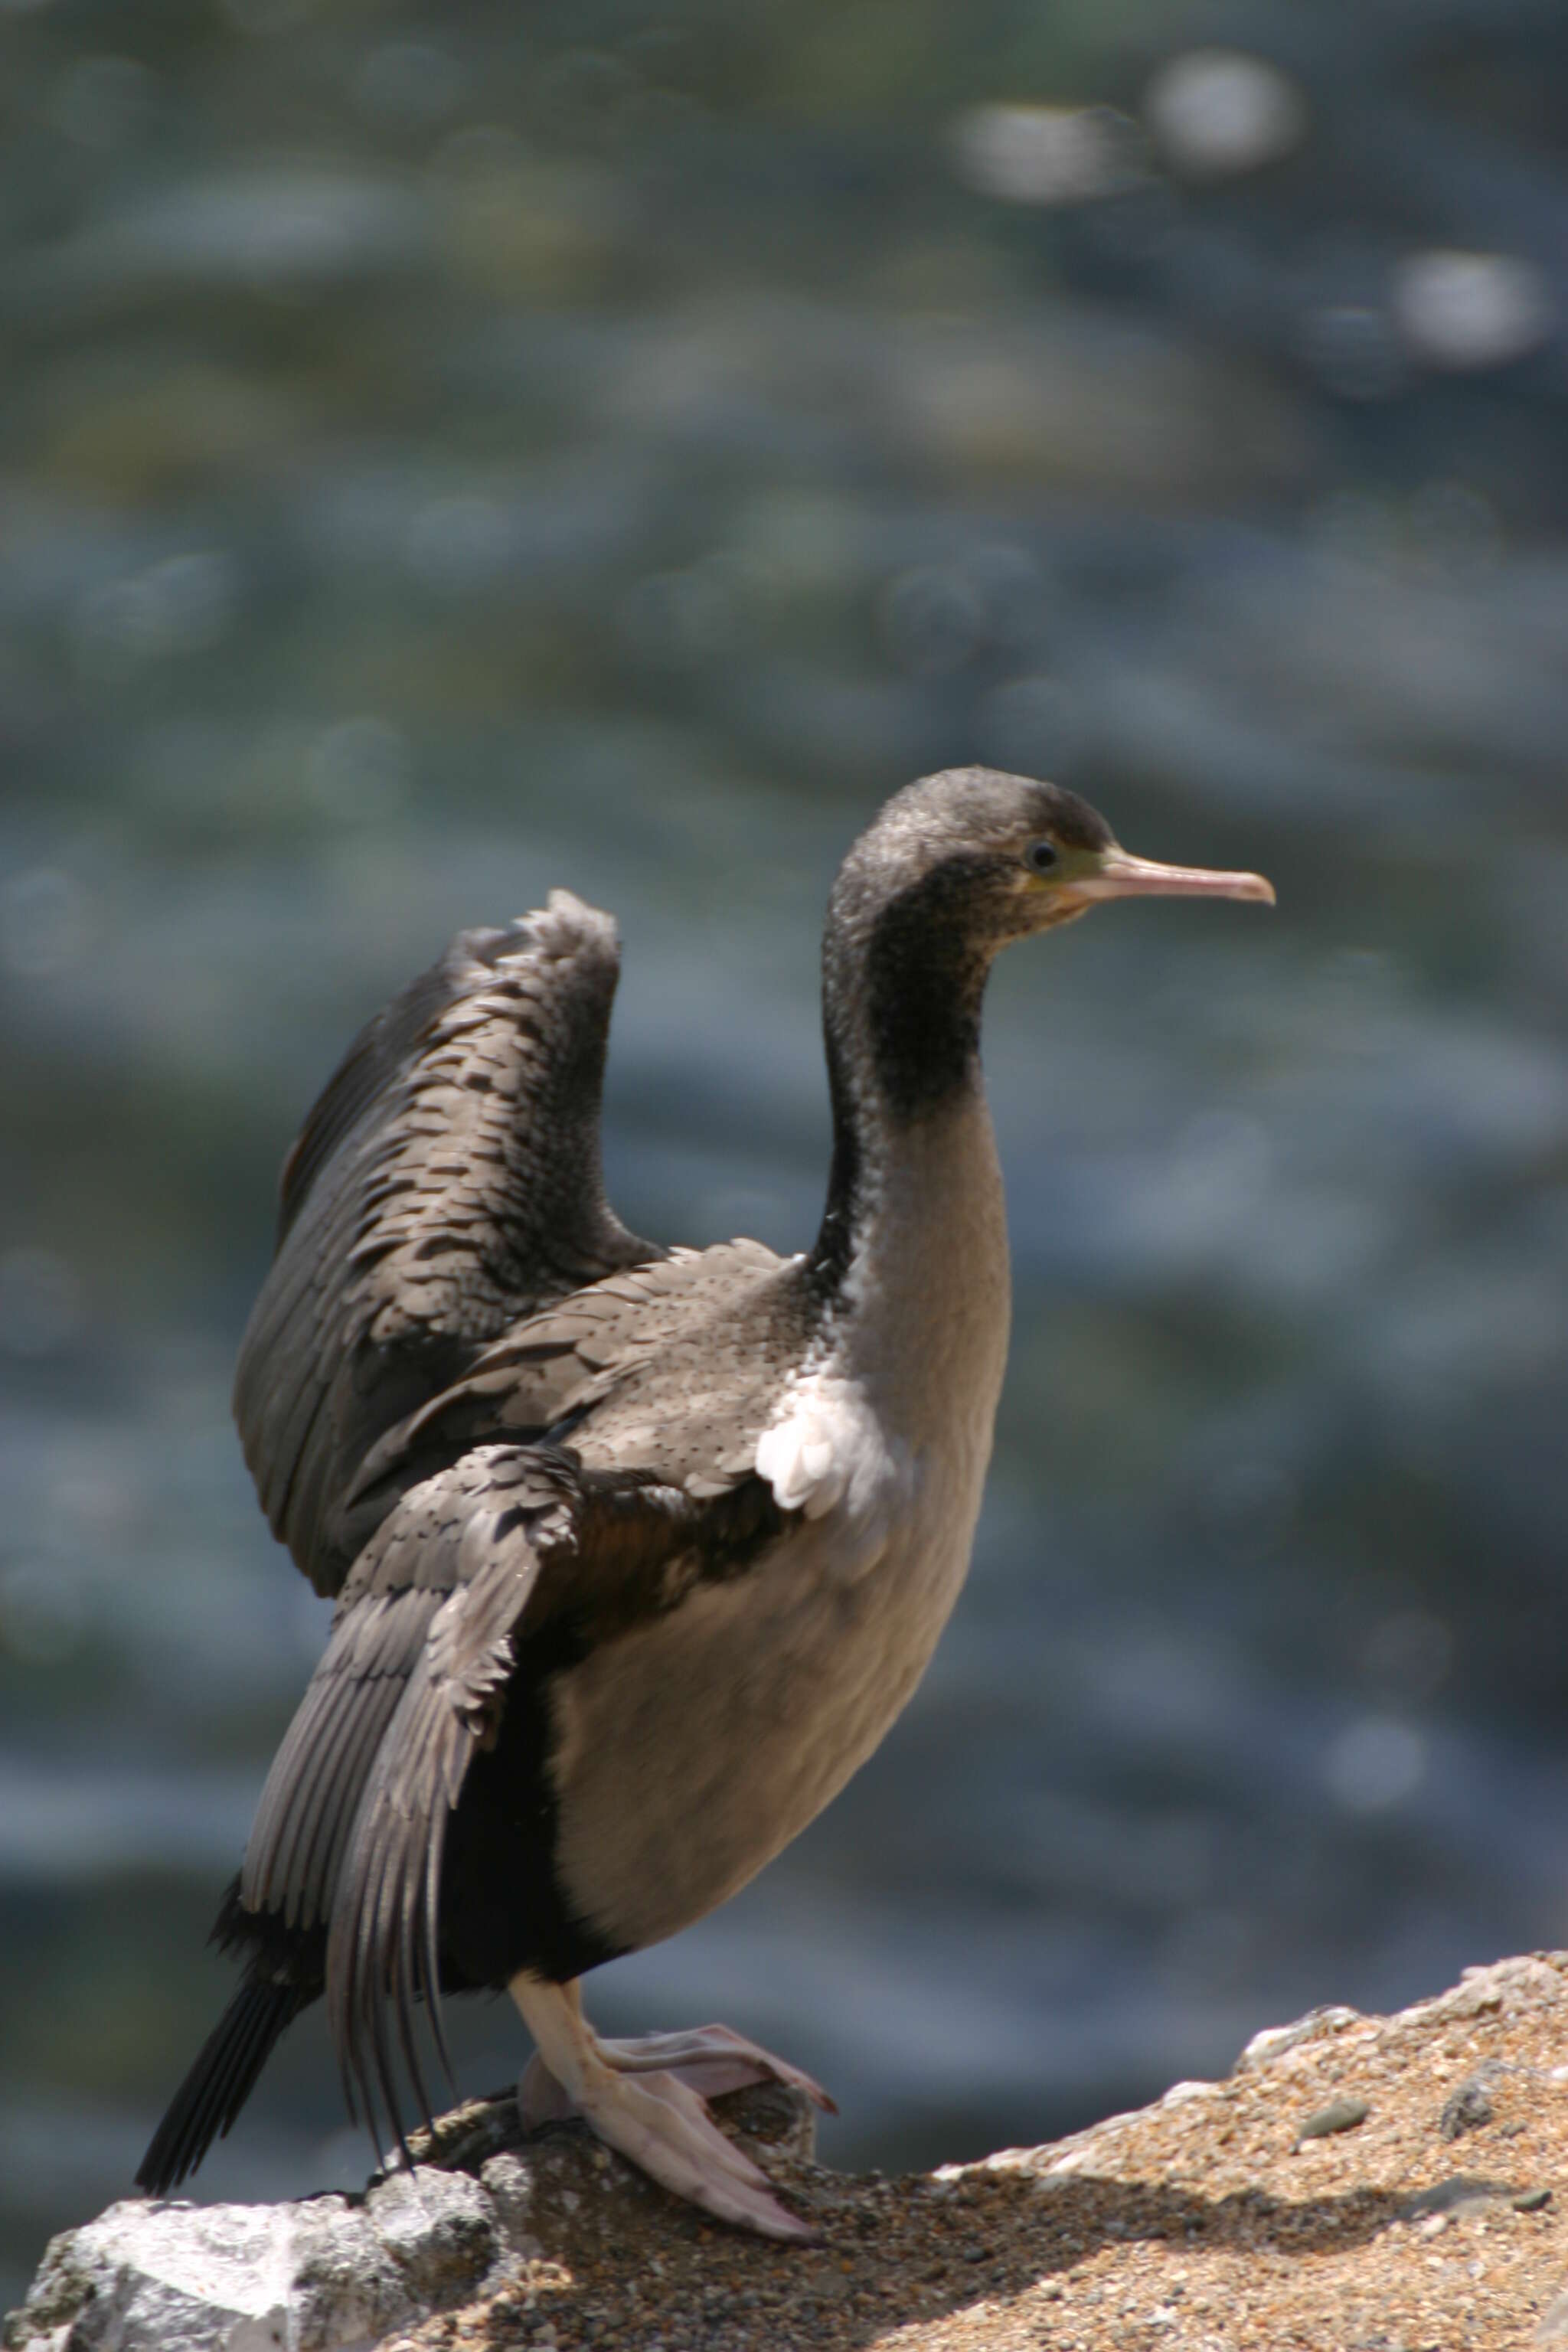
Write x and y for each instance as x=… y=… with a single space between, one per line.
x=661 y=1367
x=447 y=1183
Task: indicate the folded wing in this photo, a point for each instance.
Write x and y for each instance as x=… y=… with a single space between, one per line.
x=351 y=1828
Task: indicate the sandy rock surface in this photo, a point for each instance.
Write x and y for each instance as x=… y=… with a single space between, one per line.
x=1356 y=2184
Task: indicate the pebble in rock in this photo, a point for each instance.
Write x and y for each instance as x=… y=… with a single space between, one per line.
x=1339 y=2115
x=1471 y=2106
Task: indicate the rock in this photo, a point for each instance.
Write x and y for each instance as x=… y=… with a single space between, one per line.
x=1469 y=2108
x=1189 y=2218
x=323 y=2275
x=1276 y=2040
x=1339 y=2115
x=1513 y=1986
x=339 y=2273
x=1458 y=2194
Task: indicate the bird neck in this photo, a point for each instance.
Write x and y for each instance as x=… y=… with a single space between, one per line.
x=910 y=1264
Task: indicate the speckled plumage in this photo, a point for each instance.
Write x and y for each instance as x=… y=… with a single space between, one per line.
x=637 y=1553
x=447 y=1183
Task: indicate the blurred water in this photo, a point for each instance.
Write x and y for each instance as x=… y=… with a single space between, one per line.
x=453 y=454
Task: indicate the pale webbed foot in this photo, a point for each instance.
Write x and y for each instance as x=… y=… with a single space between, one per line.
x=664 y=2126
x=713 y=2059
x=540 y=2099
x=645 y=2097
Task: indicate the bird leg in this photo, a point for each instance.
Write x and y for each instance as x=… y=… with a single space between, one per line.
x=648 y=2098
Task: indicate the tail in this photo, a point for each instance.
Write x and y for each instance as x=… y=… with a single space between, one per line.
x=222 y=2079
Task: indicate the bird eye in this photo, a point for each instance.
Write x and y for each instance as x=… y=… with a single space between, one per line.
x=1040 y=856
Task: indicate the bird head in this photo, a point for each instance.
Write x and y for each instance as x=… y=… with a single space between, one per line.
x=1072 y=861
x=996 y=859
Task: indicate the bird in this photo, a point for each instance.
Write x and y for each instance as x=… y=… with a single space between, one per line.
x=638 y=1552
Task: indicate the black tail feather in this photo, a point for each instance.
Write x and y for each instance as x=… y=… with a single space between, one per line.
x=221 y=2080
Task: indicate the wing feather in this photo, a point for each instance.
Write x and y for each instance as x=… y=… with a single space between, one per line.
x=447 y=1183
x=669 y=1332
x=352 y=1825
x=491 y=1550
x=381 y=1957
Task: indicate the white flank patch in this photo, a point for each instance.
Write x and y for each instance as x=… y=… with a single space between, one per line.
x=829 y=1452
x=803 y=1464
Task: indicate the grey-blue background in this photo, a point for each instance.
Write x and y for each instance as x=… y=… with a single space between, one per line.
x=451 y=451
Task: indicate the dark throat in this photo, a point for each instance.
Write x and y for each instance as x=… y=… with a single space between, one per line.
x=903 y=997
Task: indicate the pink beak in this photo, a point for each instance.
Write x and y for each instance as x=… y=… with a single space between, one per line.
x=1121 y=875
